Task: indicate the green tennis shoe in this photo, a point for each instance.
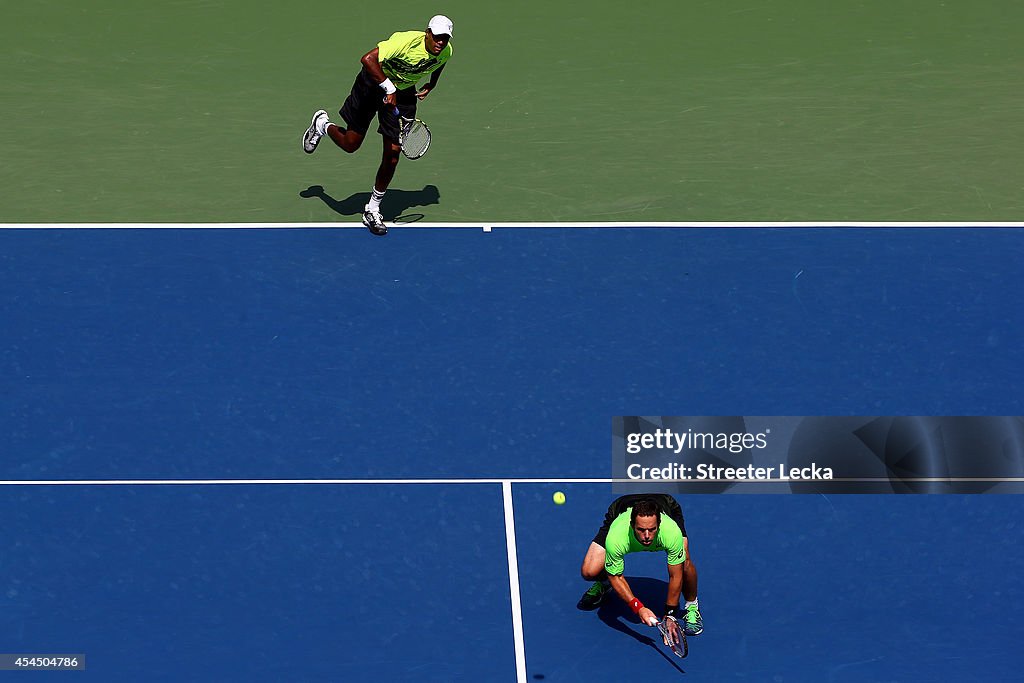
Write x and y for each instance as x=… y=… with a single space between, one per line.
x=594 y=596
x=692 y=623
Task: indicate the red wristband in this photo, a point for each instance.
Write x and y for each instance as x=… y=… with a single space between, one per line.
x=636 y=605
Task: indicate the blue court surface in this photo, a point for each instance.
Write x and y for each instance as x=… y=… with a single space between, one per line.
x=136 y=356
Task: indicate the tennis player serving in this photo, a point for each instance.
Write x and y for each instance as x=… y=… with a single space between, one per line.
x=387 y=81
x=643 y=523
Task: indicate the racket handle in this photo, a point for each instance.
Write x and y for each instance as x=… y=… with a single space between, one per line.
x=396 y=111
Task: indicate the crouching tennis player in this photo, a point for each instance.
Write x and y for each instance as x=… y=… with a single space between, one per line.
x=643 y=523
x=388 y=79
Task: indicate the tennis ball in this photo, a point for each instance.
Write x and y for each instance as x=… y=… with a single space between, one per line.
x=559 y=498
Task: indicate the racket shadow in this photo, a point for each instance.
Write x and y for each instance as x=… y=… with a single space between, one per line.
x=395 y=203
x=615 y=614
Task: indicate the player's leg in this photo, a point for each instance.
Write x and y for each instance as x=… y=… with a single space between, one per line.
x=592 y=568
x=405 y=101
x=390 y=155
x=692 y=622
x=389 y=124
x=348 y=139
x=345 y=138
x=593 y=563
x=689 y=575
x=357 y=112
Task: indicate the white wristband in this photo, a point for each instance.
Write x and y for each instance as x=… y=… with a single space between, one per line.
x=388 y=86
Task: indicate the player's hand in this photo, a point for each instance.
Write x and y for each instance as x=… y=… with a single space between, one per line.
x=423 y=93
x=391 y=99
x=647 y=617
x=673 y=630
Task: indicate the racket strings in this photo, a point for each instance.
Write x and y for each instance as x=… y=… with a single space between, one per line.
x=678 y=646
x=415 y=139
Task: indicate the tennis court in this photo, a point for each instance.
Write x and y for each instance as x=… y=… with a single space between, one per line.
x=321 y=355
x=243 y=439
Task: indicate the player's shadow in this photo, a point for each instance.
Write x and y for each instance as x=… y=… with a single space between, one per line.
x=392 y=207
x=616 y=614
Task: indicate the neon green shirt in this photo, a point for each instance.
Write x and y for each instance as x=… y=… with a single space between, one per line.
x=405 y=60
x=621 y=540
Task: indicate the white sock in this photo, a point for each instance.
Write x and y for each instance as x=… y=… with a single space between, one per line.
x=322 y=129
x=374 y=203
x=691 y=602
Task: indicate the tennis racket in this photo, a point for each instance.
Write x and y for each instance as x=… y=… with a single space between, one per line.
x=413 y=136
x=675 y=638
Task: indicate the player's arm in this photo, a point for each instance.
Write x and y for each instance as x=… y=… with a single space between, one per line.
x=371 y=62
x=675 y=585
x=434 y=77
x=623 y=590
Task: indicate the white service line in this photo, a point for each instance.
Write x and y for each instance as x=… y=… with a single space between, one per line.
x=487 y=227
x=286 y=482
x=513 y=582
x=634 y=482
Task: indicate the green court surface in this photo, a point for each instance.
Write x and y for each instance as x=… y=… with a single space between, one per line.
x=714 y=110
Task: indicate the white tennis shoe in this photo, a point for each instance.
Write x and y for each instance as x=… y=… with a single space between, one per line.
x=316 y=130
x=375 y=222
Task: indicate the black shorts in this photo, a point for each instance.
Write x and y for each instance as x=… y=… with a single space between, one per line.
x=367 y=100
x=666 y=505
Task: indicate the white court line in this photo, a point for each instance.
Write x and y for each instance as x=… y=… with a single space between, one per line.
x=652 y=482
x=231 y=482
x=487 y=227
x=513 y=582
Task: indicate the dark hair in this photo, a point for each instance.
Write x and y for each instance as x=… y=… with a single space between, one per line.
x=644 y=508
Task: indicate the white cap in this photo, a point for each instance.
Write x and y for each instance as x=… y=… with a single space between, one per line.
x=440 y=25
